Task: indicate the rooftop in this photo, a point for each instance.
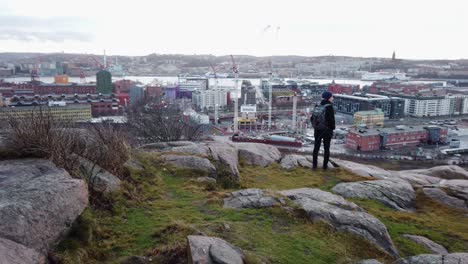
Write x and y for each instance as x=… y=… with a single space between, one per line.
x=393 y=130
x=370 y=112
x=45 y=107
x=366 y=97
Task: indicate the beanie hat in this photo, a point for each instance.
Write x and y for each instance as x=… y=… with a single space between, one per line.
x=326 y=95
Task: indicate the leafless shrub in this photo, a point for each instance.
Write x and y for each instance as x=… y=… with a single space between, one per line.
x=156 y=121
x=108 y=147
x=40 y=135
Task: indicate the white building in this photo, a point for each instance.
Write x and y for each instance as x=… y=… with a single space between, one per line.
x=436 y=105
x=205 y=99
x=193 y=84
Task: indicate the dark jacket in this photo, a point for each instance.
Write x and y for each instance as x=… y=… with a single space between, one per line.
x=329 y=114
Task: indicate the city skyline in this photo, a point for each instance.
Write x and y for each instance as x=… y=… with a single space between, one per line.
x=415 y=30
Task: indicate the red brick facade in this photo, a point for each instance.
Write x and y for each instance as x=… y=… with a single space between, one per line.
x=372 y=140
x=343 y=89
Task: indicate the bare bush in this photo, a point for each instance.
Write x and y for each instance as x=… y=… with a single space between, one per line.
x=39 y=135
x=107 y=146
x=156 y=121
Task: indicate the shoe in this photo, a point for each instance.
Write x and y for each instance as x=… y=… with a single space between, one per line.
x=314 y=167
x=325 y=168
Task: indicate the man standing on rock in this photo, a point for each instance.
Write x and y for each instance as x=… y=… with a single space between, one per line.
x=323 y=121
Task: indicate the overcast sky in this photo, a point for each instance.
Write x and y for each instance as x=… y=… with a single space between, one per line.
x=415 y=29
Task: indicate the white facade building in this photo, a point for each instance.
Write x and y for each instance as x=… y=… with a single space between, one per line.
x=205 y=99
x=436 y=106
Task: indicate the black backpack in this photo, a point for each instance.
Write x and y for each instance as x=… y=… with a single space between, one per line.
x=318 y=119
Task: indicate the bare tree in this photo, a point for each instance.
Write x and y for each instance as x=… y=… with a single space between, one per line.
x=154 y=121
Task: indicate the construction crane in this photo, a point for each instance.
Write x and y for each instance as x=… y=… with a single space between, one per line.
x=99 y=64
x=270 y=96
x=216 y=96
x=294 y=115
x=235 y=70
x=35 y=72
x=103 y=66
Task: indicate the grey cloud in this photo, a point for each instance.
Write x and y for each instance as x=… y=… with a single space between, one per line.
x=55 y=36
x=56 y=29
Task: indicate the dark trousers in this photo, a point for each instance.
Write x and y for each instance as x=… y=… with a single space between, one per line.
x=326 y=135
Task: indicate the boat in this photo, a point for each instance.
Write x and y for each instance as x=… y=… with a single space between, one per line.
x=271 y=140
x=384 y=76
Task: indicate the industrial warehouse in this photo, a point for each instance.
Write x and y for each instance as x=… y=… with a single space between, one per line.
x=373 y=139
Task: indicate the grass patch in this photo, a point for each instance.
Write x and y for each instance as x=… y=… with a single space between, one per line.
x=159 y=207
x=441 y=224
x=276 y=178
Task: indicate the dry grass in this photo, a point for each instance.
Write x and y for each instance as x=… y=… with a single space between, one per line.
x=165 y=206
x=276 y=178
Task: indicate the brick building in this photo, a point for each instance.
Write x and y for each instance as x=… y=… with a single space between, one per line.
x=394 y=138
x=123 y=86
x=349 y=89
x=72 y=88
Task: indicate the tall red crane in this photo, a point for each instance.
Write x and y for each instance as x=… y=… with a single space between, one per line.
x=98 y=63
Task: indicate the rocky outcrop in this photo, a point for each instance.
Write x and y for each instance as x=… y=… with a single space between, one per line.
x=14 y=253
x=398 y=195
x=342 y=215
x=364 y=171
x=442 y=197
x=321 y=196
x=249 y=198
x=415 y=179
x=222 y=152
x=199 y=150
x=448 y=172
x=190 y=163
x=165 y=145
x=454 y=258
x=212 y=250
x=293 y=161
x=39 y=202
x=225 y=154
x=427 y=243
x=453 y=193
x=456 y=188
x=258 y=154
x=100 y=180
